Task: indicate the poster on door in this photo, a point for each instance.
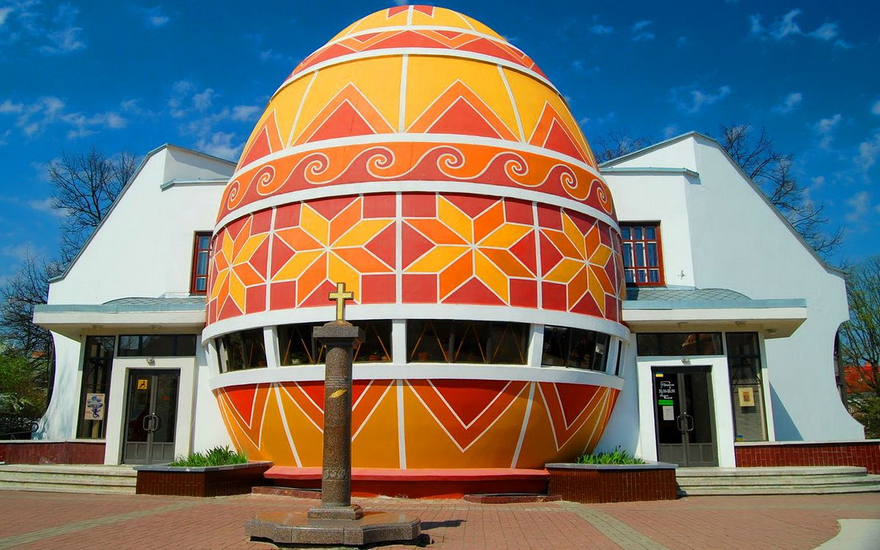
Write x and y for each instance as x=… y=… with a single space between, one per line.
x=94 y=406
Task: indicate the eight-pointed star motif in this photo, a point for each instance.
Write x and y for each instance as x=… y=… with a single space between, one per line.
x=234 y=271
x=583 y=262
x=333 y=250
x=466 y=247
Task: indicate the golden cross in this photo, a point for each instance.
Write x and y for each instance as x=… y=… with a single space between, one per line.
x=341 y=296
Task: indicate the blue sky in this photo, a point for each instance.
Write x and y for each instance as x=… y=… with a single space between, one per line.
x=128 y=75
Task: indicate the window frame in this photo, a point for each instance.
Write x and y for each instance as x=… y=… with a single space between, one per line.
x=658 y=241
x=194 y=276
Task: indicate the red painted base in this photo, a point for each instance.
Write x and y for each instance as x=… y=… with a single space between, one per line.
x=368 y=482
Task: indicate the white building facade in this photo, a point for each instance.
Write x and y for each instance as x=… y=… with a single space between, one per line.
x=732 y=316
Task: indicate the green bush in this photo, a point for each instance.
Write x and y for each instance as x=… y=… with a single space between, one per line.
x=617 y=456
x=218 y=456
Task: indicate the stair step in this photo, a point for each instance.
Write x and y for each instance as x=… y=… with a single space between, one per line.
x=56 y=488
x=763 y=472
x=768 y=480
x=808 y=490
x=61 y=479
x=67 y=469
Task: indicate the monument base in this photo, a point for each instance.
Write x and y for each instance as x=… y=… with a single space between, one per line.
x=299 y=528
x=337 y=512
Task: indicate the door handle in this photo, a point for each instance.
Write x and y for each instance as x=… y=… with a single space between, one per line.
x=158 y=422
x=146 y=423
x=689 y=421
x=678 y=425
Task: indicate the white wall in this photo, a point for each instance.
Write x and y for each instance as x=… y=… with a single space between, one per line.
x=144 y=248
x=722 y=234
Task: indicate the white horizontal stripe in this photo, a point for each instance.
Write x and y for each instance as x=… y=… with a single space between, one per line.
x=417 y=186
x=406 y=137
x=438 y=52
x=417 y=371
x=416 y=311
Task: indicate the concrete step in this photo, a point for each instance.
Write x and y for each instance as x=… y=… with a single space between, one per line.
x=764 y=472
x=57 y=488
x=773 y=481
x=65 y=479
x=70 y=469
x=802 y=490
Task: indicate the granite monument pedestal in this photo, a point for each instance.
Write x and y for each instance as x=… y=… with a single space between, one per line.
x=337 y=520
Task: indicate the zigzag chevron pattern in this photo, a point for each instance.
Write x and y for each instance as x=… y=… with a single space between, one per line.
x=459 y=423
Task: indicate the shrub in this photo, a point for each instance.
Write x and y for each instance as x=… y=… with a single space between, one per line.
x=617 y=456
x=218 y=456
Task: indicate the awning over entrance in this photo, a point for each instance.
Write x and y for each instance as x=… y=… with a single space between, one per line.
x=665 y=309
x=124 y=313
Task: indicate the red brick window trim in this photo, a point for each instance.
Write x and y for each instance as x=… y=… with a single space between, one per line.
x=201 y=257
x=642 y=254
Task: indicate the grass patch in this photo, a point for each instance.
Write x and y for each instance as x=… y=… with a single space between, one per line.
x=218 y=456
x=617 y=456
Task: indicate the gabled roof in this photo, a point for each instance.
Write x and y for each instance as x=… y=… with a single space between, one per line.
x=125 y=188
x=712 y=141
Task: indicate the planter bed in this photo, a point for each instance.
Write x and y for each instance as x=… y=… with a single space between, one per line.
x=592 y=483
x=208 y=481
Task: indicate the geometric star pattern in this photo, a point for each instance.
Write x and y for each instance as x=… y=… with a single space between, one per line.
x=438 y=249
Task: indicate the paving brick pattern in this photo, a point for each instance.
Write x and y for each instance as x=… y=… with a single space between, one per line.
x=857 y=453
x=49 y=520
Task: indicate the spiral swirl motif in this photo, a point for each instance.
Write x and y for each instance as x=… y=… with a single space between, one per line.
x=314 y=166
x=264 y=179
x=379 y=160
x=234 y=194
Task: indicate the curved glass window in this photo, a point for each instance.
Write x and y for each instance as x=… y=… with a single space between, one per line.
x=574 y=348
x=297 y=346
x=487 y=342
x=243 y=350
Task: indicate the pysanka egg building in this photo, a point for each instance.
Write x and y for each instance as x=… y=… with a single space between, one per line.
x=522 y=304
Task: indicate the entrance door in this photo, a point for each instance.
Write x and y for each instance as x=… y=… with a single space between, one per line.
x=683 y=409
x=151 y=416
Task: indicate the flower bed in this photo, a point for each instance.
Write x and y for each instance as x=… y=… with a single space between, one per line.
x=592 y=483
x=204 y=481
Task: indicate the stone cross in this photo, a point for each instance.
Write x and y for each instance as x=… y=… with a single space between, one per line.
x=341 y=296
x=340 y=337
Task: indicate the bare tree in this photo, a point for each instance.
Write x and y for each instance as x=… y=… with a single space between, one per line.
x=617 y=143
x=754 y=152
x=85 y=186
x=860 y=343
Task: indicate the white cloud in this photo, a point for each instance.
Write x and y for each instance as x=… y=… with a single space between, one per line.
x=4 y=13
x=791 y=102
x=640 y=34
x=860 y=204
x=875 y=109
x=155 y=17
x=601 y=29
x=785 y=27
x=47 y=206
x=692 y=100
x=828 y=31
x=869 y=150
x=220 y=145
x=825 y=130
x=64 y=41
x=682 y=41
x=19 y=252
x=670 y=131
x=33 y=118
x=202 y=100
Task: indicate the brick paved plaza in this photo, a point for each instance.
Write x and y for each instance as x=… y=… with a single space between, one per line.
x=71 y=521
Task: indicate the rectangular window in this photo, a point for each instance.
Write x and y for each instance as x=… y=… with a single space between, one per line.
x=97 y=364
x=642 y=254
x=481 y=342
x=299 y=348
x=678 y=344
x=157 y=345
x=574 y=348
x=201 y=255
x=243 y=350
x=746 y=387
